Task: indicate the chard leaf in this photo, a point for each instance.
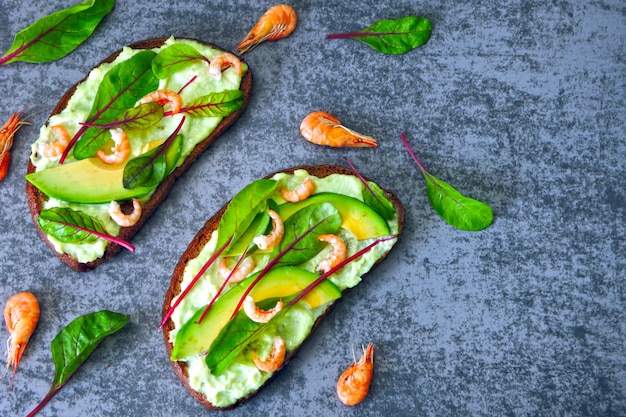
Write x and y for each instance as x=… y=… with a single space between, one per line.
x=135 y=118
x=374 y=197
x=74 y=226
x=311 y=221
x=150 y=168
x=215 y=104
x=56 y=35
x=121 y=88
x=175 y=58
x=459 y=211
x=73 y=345
x=242 y=210
x=393 y=37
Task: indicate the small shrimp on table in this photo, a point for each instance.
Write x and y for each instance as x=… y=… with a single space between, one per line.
x=278 y=22
x=354 y=383
x=223 y=61
x=6 y=141
x=21 y=315
x=322 y=128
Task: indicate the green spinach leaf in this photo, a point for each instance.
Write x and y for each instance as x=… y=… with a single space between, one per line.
x=74 y=226
x=215 y=104
x=121 y=88
x=56 y=35
x=75 y=343
x=135 y=118
x=305 y=222
x=175 y=58
x=393 y=37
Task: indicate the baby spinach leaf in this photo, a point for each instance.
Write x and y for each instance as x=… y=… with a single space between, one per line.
x=215 y=104
x=150 y=168
x=56 y=35
x=120 y=89
x=175 y=58
x=243 y=208
x=75 y=343
x=74 y=226
x=307 y=220
x=461 y=212
x=393 y=36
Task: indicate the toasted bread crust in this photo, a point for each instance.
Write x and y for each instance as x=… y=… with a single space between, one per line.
x=200 y=240
x=36 y=198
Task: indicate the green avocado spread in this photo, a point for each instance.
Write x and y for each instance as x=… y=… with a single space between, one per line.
x=223 y=386
x=88 y=176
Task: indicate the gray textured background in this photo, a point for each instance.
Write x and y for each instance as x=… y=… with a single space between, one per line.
x=520 y=104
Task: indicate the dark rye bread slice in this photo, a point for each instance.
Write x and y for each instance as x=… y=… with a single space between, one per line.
x=200 y=240
x=37 y=198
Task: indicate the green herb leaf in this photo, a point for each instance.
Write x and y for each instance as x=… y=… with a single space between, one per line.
x=243 y=208
x=462 y=212
x=215 y=104
x=150 y=168
x=74 y=344
x=175 y=58
x=56 y=35
x=393 y=36
x=136 y=118
x=374 y=196
x=74 y=226
x=307 y=220
x=121 y=88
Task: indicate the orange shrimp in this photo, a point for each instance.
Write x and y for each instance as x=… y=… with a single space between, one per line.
x=337 y=255
x=223 y=61
x=21 y=315
x=56 y=147
x=256 y=314
x=6 y=141
x=242 y=271
x=265 y=242
x=354 y=382
x=122 y=219
x=323 y=129
x=278 y=22
x=119 y=152
x=162 y=97
x=302 y=192
x=275 y=359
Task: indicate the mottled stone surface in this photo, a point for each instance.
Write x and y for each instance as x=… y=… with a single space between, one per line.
x=520 y=104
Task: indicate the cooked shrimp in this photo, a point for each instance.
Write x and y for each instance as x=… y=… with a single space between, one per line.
x=163 y=97
x=278 y=22
x=119 y=152
x=303 y=191
x=122 y=219
x=56 y=147
x=242 y=271
x=275 y=359
x=323 y=129
x=354 y=383
x=256 y=314
x=6 y=141
x=21 y=315
x=223 y=61
x=265 y=242
x=337 y=255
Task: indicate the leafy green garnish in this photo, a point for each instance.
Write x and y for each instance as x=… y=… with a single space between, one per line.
x=393 y=36
x=56 y=35
x=462 y=212
x=175 y=58
x=74 y=226
x=306 y=225
x=74 y=343
x=374 y=196
x=135 y=118
x=214 y=104
x=120 y=89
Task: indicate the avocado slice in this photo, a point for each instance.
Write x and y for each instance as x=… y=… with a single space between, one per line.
x=194 y=338
x=359 y=218
x=90 y=181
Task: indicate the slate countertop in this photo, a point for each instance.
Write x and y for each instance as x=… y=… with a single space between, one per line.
x=518 y=104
